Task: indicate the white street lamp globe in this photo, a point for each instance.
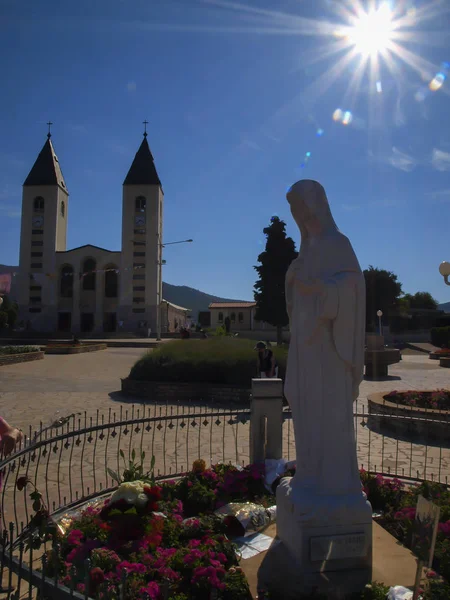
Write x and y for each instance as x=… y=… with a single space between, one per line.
x=444 y=268
x=379 y=313
x=1 y=300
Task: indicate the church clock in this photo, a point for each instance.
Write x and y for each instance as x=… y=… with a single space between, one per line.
x=38 y=221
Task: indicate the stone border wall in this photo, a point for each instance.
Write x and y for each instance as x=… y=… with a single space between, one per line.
x=12 y=359
x=428 y=423
x=159 y=391
x=75 y=349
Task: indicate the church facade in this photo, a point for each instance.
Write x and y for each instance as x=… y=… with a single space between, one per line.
x=89 y=289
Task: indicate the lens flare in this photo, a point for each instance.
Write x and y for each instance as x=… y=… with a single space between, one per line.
x=347 y=118
x=320 y=132
x=437 y=82
x=379 y=87
x=344 y=117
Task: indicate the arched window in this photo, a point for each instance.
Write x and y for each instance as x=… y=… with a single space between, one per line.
x=39 y=204
x=66 y=282
x=63 y=209
x=89 y=267
x=111 y=282
x=141 y=204
x=233 y=317
x=220 y=317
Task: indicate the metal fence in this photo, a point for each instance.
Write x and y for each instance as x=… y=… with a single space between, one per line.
x=399 y=445
x=70 y=462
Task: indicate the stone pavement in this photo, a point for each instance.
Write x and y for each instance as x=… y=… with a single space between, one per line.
x=61 y=385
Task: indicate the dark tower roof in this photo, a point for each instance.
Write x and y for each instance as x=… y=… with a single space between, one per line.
x=143 y=168
x=46 y=170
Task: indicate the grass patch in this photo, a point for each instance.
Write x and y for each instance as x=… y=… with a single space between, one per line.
x=225 y=360
x=17 y=349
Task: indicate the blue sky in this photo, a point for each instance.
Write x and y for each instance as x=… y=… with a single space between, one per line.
x=236 y=95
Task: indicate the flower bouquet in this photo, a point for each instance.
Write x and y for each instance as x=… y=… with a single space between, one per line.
x=152 y=540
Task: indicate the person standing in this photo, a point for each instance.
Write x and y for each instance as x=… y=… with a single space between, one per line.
x=267 y=364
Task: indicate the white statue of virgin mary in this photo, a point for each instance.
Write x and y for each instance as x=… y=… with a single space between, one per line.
x=324 y=522
x=325 y=295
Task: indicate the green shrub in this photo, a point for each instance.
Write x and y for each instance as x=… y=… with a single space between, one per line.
x=220 y=359
x=440 y=336
x=17 y=349
x=3 y=319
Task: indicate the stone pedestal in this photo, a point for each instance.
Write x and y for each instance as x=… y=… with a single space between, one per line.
x=324 y=545
x=266 y=420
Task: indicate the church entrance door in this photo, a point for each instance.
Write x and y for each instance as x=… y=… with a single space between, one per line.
x=64 y=321
x=87 y=322
x=109 y=322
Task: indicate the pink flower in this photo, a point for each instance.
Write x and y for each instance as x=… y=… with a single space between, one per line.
x=193 y=556
x=215 y=563
x=194 y=543
x=151 y=589
x=406 y=514
x=221 y=556
x=444 y=528
x=211 y=574
x=168 y=573
x=74 y=538
x=81 y=551
x=130 y=567
x=431 y=574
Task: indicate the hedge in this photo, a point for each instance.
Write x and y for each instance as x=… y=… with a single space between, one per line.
x=18 y=349
x=225 y=360
x=440 y=337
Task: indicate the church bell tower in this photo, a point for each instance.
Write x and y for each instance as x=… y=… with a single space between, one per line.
x=43 y=232
x=142 y=218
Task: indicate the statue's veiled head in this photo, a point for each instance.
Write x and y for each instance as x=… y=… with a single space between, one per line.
x=310 y=208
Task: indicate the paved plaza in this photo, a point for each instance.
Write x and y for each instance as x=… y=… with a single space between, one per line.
x=36 y=391
x=75 y=465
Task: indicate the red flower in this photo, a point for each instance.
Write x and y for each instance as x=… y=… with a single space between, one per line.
x=154 y=495
x=96 y=577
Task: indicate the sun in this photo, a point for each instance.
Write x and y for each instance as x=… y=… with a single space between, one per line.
x=371 y=32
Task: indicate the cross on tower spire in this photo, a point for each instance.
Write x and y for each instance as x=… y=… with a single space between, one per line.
x=145 y=127
x=49 y=134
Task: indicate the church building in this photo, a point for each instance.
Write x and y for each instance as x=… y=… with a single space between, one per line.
x=90 y=289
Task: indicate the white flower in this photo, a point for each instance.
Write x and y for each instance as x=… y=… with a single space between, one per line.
x=130 y=491
x=141 y=500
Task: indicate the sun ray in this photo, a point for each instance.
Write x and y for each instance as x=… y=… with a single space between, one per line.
x=423 y=67
x=327 y=79
x=316 y=56
x=302 y=25
x=355 y=82
x=427 y=12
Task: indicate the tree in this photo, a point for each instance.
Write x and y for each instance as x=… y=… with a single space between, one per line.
x=269 y=290
x=11 y=309
x=383 y=291
x=3 y=319
x=421 y=300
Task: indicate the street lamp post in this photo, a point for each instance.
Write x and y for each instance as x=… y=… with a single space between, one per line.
x=162 y=245
x=379 y=315
x=444 y=270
